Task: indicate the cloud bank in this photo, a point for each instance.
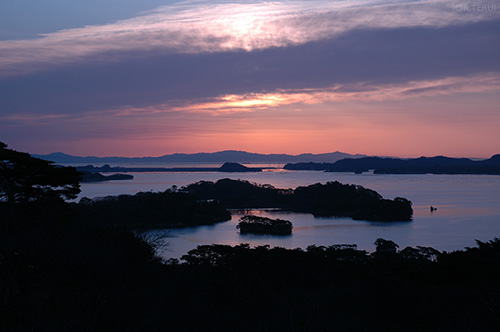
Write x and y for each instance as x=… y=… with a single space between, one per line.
x=221 y=27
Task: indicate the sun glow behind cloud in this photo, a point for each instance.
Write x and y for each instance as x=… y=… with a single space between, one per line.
x=221 y=27
x=227 y=104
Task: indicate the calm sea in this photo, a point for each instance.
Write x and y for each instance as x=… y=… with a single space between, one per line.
x=468 y=208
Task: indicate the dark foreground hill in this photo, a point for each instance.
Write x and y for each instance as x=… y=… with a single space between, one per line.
x=107 y=279
x=422 y=165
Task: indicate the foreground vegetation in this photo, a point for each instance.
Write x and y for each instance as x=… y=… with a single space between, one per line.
x=58 y=273
x=107 y=279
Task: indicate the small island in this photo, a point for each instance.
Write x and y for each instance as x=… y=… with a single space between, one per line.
x=98 y=177
x=262 y=225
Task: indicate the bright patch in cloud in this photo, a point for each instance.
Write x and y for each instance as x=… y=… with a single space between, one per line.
x=206 y=27
x=228 y=104
x=252 y=102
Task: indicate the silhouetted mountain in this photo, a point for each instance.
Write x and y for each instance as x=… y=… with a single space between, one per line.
x=493 y=161
x=216 y=157
x=422 y=165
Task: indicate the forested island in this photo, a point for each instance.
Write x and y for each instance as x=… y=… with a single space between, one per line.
x=330 y=199
x=422 y=165
x=262 y=225
x=98 y=177
x=205 y=203
x=168 y=209
x=64 y=272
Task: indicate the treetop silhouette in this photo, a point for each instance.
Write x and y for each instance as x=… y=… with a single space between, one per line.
x=24 y=178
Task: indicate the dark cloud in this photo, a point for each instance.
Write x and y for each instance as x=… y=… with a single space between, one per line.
x=380 y=56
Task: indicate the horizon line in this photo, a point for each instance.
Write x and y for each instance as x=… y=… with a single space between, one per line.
x=262 y=154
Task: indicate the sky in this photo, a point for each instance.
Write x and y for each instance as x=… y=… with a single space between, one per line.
x=154 y=77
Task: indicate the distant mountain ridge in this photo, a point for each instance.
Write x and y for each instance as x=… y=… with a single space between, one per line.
x=215 y=157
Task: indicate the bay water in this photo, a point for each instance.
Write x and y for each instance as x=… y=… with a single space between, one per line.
x=468 y=208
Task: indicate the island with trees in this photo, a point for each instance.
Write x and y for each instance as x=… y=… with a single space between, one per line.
x=87 y=176
x=250 y=224
x=330 y=199
x=168 y=209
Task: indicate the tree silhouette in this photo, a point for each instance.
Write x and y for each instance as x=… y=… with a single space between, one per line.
x=25 y=178
x=30 y=185
x=385 y=246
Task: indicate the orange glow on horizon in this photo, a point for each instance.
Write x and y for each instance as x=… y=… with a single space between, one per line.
x=442 y=117
x=391 y=140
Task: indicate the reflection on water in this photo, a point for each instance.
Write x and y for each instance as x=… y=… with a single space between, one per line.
x=448 y=231
x=468 y=208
